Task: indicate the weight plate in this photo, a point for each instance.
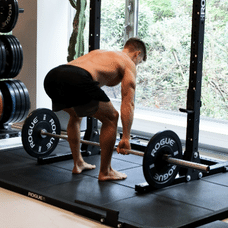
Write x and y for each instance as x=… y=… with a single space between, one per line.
x=14 y=57
x=21 y=57
x=23 y=105
x=27 y=100
x=9 y=102
x=8 y=15
x=34 y=143
x=14 y=103
x=2 y=58
x=18 y=101
x=10 y=57
x=1 y=105
x=157 y=172
x=18 y=54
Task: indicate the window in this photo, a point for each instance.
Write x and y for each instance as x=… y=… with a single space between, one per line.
x=215 y=71
x=162 y=82
x=112 y=34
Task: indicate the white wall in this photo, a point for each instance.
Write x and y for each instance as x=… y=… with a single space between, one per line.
x=52 y=42
x=43 y=31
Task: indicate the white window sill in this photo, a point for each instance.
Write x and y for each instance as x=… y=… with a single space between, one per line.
x=147 y=122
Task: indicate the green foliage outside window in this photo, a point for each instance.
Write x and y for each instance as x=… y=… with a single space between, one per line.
x=165 y=26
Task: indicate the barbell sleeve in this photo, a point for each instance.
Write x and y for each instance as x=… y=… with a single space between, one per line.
x=186 y=164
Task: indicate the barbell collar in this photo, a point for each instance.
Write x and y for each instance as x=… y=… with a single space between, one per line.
x=186 y=164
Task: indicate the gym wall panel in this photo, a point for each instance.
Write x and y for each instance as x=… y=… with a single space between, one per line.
x=26 y=32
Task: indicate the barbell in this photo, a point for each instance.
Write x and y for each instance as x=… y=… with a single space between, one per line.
x=44 y=133
x=161 y=159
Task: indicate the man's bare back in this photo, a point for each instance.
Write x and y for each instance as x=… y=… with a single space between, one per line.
x=106 y=67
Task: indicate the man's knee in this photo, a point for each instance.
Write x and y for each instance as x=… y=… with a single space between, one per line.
x=113 y=117
x=107 y=113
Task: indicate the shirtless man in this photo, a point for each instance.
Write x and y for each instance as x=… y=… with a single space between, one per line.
x=75 y=88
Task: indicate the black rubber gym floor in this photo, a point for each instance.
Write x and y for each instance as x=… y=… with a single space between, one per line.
x=183 y=205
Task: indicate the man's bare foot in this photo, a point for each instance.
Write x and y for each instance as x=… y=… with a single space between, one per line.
x=112 y=175
x=78 y=168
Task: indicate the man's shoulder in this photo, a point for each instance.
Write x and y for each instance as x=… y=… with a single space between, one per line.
x=121 y=59
x=118 y=54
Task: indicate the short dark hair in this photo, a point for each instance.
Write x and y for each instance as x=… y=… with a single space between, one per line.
x=135 y=43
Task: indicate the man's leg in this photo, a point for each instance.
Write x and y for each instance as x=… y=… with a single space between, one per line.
x=73 y=131
x=108 y=115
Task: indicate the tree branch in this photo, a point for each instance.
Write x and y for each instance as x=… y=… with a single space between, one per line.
x=73 y=3
x=217 y=87
x=179 y=65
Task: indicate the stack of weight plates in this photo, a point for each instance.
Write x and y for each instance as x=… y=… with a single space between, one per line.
x=11 y=56
x=14 y=101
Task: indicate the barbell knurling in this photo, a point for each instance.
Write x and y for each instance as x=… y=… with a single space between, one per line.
x=135 y=152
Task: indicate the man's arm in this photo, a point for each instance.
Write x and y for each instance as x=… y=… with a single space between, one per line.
x=128 y=86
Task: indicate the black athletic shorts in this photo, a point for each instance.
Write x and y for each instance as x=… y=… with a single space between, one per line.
x=70 y=86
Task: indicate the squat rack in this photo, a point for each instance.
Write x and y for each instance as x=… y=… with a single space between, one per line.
x=194 y=91
x=194 y=96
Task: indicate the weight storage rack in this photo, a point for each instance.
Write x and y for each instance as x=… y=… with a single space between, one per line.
x=14 y=96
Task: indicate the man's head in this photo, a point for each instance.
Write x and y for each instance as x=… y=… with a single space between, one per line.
x=135 y=45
